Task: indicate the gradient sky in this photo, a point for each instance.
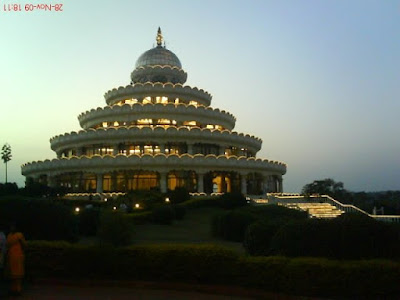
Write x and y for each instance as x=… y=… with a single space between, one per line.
x=318 y=81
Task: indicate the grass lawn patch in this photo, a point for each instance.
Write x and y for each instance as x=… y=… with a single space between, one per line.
x=194 y=228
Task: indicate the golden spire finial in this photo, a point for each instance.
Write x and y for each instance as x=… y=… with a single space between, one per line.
x=159 y=38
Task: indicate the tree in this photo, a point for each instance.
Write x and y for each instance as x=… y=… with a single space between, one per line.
x=6 y=155
x=326 y=187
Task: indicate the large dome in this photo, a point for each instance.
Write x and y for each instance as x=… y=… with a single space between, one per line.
x=158 y=56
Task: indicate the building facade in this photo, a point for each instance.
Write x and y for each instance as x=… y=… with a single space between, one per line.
x=157 y=133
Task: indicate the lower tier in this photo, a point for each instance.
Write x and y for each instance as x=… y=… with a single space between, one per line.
x=202 y=174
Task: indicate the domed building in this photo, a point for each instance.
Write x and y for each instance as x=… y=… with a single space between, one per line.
x=157 y=133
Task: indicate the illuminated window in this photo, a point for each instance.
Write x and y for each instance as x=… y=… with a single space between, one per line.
x=173 y=122
x=163 y=122
x=101 y=150
x=195 y=103
x=209 y=126
x=105 y=124
x=161 y=99
x=219 y=127
x=189 y=123
x=116 y=124
x=131 y=101
x=144 y=121
x=175 y=148
x=134 y=149
x=177 y=101
x=148 y=149
x=146 y=100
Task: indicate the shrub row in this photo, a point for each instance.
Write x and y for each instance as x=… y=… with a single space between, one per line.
x=350 y=236
x=215 y=265
x=232 y=224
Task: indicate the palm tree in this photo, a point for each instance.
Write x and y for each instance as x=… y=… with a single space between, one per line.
x=6 y=155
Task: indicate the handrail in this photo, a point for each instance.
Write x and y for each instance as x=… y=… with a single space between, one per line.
x=337 y=204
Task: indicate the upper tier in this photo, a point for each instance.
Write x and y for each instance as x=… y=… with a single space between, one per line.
x=140 y=91
x=176 y=114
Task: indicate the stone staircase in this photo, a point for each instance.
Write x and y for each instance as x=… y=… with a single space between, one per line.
x=317 y=210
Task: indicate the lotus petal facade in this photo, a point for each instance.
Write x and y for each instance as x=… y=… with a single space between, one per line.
x=157 y=133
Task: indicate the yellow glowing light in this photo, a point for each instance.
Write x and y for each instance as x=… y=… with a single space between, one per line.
x=114 y=208
x=77 y=209
x=105 y=199
x=137 y=205
x=167 y=200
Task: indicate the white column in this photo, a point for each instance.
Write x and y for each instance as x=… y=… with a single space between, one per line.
x=280 y=182
x=190 y=148
x=243 y=184
x=221 y=150
x=265 y=184
x=163 y=182
x=276 y=184
x=162 y=148
x=78 y=151
x=51 y=182
x=99 y=184
x=115 y=149
x=200 y=182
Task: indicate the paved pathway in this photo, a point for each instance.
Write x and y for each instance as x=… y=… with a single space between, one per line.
x=88 y=290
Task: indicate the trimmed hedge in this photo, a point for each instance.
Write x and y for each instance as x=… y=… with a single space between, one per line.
x=164 y=215
x=350 y=236
x=114 y=229
x=216 y=265
x=202 y=201
x=231 y=225
x=139 y=218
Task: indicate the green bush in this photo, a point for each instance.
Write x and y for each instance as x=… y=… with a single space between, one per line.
x=114 y=229
x=231 y=225
x=258 y=236
x=179 y=211
x=147 y=199
x=275 y=213
x=346 y=237
x=139 y=218
x=202 y=201
x=10 y=188
x=232 y=200
x=88 y=221
x=163 y=214
x=39 y=218
x=178 y=195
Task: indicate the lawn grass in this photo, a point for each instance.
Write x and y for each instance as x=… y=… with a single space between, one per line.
x=193 y=229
